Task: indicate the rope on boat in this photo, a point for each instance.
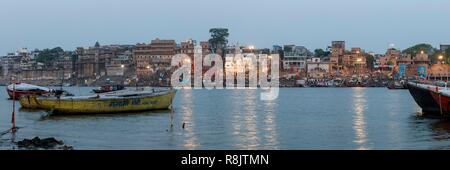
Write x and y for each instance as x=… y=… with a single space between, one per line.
x=11 y=130
x=5 y=132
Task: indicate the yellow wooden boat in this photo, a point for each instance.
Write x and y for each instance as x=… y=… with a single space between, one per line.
x=29 y=102
x=127 y=101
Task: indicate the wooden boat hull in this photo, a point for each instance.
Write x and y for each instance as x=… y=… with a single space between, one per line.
x=424 y=99
x=29 y=102
x=16 y=90
x=69 y=106
x=443 y=102
x=18 y=93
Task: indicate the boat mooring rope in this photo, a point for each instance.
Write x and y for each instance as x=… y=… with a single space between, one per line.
x=11 y=130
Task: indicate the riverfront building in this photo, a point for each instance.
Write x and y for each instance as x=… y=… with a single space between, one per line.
x=295 y=57
x=414 y=66
x=156 y=55
x=317 y=68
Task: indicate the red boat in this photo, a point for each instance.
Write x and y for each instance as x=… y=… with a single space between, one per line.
x=431 y=98
x=442 y=98
x=16 y=90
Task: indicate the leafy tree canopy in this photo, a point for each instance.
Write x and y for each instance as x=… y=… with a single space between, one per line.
x=427 y=48
x=321 y=53
x=370 y=61
x=218 y=38
x=47 y=55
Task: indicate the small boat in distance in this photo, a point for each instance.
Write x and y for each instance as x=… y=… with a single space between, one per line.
x=395 y=85
x=108 y=88
x=16 y=90
x=106 y=103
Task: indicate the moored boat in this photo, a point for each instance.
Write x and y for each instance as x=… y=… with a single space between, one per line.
x=442 y=97
x=423 y=95
x=28 y=101
x=128 y=101
x=16 y=90
x=395 y=85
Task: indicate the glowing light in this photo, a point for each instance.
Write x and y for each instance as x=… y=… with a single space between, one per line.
x=359 y=59
x=148 y=67
x=122 y=66
x=421 y=52
x=441 y=57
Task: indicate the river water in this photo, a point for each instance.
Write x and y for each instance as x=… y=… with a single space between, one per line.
x=300 y=118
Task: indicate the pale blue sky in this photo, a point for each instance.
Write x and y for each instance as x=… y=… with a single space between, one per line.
x=370 y=24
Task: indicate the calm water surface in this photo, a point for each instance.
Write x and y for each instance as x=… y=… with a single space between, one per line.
x=301 y=118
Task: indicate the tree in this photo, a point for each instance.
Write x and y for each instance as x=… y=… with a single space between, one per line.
x=57 y=50
x=321 y=53
x=447 y=55
x=426 y=48
x=48 y=55
x=369 y=61
x=218 y=39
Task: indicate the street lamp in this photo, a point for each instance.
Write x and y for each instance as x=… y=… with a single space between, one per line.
x=440 y=59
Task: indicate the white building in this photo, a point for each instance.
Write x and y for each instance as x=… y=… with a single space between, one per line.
x=316 y=68
x=295 y=57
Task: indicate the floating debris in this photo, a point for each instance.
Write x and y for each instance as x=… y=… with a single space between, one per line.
x=46 y=143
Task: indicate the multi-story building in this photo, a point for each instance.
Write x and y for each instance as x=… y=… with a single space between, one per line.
x=119 y=64
x=11 y=63
x=91 y=63
x=316 y=68
x=414 y=66
x=295 y=57
x=355 y=61
x=337 y=51
x=337 y=54
x=187 y=47
x=156 y=55
x=388 y=61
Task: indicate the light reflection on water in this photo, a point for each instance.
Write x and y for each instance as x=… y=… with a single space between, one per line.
x=244 y=119
x=190 y=139
x=359 y=124
x=270 y=124
x=341 y=118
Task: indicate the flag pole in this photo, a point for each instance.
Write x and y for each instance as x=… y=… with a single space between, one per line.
x=13 y=119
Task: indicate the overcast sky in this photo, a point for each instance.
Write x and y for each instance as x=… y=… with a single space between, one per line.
x=370 y=24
